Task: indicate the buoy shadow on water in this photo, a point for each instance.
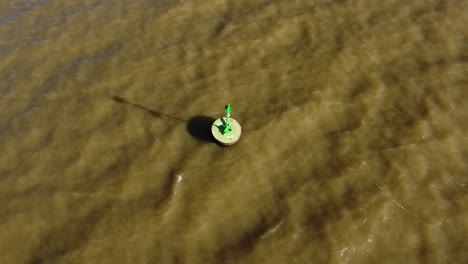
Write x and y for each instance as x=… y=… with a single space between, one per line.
x=199 y=127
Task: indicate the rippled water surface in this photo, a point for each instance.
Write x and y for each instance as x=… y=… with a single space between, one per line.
x=354 y=118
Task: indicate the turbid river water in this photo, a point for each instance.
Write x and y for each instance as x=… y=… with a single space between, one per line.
x=354 y=145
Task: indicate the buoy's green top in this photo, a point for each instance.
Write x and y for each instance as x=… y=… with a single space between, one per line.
x=227 y=127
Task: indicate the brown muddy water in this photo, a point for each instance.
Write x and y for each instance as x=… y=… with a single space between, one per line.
x=354 y=117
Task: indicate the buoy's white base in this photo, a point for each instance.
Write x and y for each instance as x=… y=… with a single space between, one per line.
x=229 y=138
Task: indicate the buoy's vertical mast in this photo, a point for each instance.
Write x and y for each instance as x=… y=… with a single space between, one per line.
x=227 y=127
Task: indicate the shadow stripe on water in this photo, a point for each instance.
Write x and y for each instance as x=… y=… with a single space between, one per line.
x=199 y=126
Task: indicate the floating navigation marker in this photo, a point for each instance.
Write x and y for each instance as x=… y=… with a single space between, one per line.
x=226 y=130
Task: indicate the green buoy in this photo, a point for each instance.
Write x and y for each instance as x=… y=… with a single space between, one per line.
x=226 y=130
